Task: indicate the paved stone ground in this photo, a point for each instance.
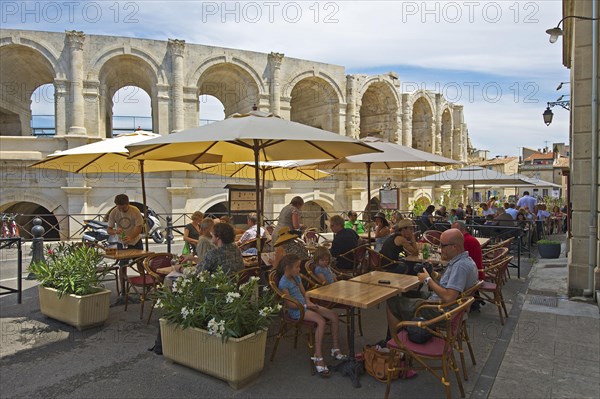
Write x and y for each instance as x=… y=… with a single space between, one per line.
x=40 y=357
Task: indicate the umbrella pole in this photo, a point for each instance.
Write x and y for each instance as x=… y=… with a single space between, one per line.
x=369 y=203
x=258 y=202
x=144 y=201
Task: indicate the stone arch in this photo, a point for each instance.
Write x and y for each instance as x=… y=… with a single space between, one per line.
x=23 y=68
x=234 y=84
x=97 y=63
x=315 y=101
x=120 y=71
x=205 y=203
x=422 y=123
x=446 y=133
x=379 y=110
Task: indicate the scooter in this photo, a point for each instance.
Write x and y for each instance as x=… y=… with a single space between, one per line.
x=154 y=227
x=95 y=232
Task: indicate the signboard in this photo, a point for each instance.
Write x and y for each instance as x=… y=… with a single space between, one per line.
x=242 y=200
x=389 y=199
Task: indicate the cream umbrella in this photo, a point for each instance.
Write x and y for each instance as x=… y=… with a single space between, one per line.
x=252 y=137
x=111 y=156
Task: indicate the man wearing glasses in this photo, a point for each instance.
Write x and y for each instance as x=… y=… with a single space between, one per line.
x=460 y=274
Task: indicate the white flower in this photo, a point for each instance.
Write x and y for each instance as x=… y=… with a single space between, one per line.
x=254 y=278
x=158 y=304
x=175 y=285
x=265 y=289
x=231 y=296
x=216 y=327
x=265 y=311
x=185 y=312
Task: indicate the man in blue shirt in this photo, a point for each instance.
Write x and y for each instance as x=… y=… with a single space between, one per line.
x=460 y=274
x=526 y=201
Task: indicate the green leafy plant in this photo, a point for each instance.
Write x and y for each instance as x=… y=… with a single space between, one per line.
x=216 y=302
x=70 y=268
x=548 y=242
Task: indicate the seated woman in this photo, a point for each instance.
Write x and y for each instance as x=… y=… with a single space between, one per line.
x=427 y=217
x=226 y=255
x=286 y=244
x=382 y=230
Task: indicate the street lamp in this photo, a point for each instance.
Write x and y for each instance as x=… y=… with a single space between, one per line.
x=548 y=114
x=557 y=31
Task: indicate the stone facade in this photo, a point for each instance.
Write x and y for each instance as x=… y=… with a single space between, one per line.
x=87 y=70
x=577 y=56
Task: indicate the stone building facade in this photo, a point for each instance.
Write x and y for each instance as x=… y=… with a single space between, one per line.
x=584 y=246
x=87 y=70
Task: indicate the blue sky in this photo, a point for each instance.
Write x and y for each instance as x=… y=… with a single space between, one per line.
x=493 y=57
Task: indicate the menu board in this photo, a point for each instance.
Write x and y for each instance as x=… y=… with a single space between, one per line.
x=241 y=198
x=389 y=199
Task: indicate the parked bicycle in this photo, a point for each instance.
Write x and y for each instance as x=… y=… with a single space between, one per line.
x=10 y=229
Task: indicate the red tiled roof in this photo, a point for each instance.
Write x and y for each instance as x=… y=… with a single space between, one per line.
x=539 y=155
x=495 y=161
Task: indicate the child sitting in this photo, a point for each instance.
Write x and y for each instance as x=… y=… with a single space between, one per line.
x=291 y=284
x=323 y=272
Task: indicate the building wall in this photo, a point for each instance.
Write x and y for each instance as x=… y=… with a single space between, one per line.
x=577 y=55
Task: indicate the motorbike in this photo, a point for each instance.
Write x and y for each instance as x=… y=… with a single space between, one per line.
x=95 y=232
x=153 y=227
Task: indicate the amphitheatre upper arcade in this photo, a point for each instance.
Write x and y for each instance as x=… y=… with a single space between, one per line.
x=87 y=70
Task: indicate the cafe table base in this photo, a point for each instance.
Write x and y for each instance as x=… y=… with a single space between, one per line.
x=351 y=367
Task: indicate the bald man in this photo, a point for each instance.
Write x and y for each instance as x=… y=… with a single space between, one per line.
x=460 y=274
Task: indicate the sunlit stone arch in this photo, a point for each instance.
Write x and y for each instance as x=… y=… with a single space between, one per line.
x=379 y=109
x=446 y=131
x=233 y=84
x=422 y=122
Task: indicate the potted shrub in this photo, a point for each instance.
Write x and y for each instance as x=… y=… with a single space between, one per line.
x=549 y=249
x=215 y=325
x=70 y=288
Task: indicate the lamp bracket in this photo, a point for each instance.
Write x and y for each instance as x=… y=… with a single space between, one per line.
x=564 y=104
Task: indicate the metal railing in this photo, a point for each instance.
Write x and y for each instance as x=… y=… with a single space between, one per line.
x=8 y=243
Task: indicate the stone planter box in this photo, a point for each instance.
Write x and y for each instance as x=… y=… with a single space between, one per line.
x=237 y=360
x=78 y=311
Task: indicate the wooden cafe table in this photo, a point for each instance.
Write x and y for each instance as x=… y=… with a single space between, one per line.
x=134 y=255
x=353 y=294
x=399 y=282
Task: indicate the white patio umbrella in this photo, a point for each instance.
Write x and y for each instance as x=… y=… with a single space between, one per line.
x=472 y=175
x=111 y=156
x=252 y=137
x=391 y=156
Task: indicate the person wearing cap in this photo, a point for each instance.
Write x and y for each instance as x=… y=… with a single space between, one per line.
x=402 y=241
x=353 y=223
x=288 y=243
x=382 y=230
x=344 y=240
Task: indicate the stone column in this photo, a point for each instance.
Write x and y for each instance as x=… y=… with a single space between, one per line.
x=60 y=106
x=437 y=130
x=406 y=121
x=177 y=48
x=75 y=40
x=351 y=128
x=275 y=60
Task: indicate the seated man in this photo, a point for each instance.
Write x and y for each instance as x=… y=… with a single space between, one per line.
x=250 y=234
x=227 y=255
x=402 y=241
x=344 y=240
x=353 y=223
x=460 y=274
